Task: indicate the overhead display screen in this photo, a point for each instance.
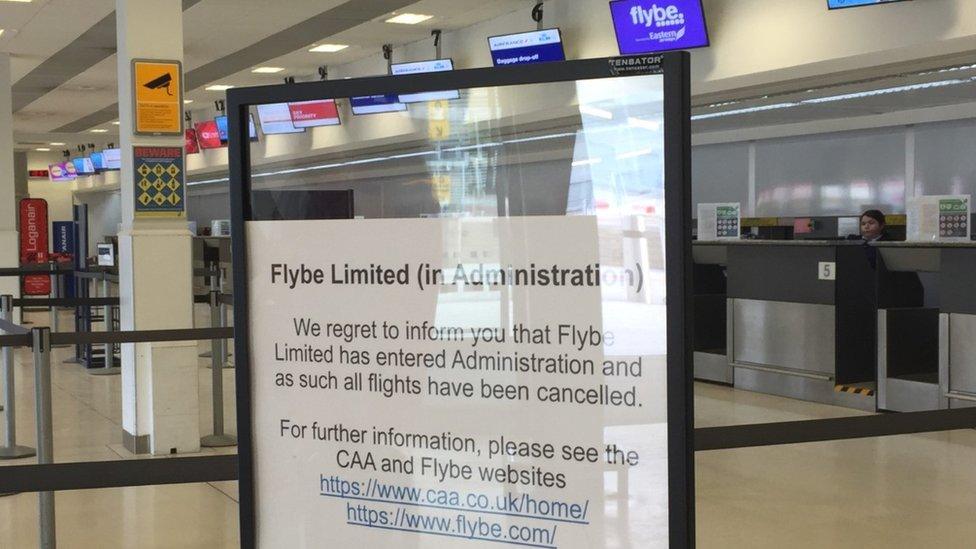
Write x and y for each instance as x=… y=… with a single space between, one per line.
x=83 y=165
x=112 y=159
x=222 y=128
x=98 y=163
x=643 y=26
x=310 y=114
x=839 y=4
x=436 y=65
x=375 y=104
x=275 y=118
x=208 y=135
x=527 y=47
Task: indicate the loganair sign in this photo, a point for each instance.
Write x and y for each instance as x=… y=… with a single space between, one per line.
x=644 y=26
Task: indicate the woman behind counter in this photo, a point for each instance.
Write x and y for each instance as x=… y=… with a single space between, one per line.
x=895 y=289
x=873 y=226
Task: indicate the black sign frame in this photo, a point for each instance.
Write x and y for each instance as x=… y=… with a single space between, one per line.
x=674 y=66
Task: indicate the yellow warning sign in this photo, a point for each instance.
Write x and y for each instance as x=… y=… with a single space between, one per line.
x=157 y=89
x=442 y=184
x=438 y=120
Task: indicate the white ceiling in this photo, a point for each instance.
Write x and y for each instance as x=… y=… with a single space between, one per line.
x=213 y=30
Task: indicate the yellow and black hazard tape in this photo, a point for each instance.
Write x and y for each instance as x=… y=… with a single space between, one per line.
x=854 y=390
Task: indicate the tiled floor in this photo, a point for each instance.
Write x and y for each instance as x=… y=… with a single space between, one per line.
x=893 y=492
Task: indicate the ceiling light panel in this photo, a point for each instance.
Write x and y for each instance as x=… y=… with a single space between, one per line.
x=409 y=18
x=218 y=87
x=267 y=70
x=328 y=48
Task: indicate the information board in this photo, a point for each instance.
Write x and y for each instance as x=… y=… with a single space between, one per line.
x=939 y=218
x=429 y=380
x=719 y=221
x=157 y=97
x=34 y=244
x=158 y=178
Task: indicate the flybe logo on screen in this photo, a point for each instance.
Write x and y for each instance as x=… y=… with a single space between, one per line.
x=643 y=26
x=660 y=17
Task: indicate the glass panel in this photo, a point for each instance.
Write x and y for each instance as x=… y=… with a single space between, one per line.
x=831 y=174
x=944 y=160
x=501 y=184
x=720 y=173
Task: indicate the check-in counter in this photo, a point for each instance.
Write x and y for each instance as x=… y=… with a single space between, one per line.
x=927 y=355
x=801 y=318
x=710 y=313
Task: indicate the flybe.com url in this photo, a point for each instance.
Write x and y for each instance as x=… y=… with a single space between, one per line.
x=462 y=526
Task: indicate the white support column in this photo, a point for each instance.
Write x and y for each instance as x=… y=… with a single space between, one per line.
x=9 y=241
x=160 y=402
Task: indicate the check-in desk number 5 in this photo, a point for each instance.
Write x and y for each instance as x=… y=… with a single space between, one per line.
x=827 y=270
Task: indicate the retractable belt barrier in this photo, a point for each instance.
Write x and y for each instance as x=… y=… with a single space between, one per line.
x=47 y=477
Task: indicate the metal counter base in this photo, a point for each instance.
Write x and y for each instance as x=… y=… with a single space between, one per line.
x=801 y=388
x=713 y=367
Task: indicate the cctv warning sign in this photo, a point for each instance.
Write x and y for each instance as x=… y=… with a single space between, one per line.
x=157 y=97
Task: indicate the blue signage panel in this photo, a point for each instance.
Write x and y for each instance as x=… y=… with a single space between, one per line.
x=436 y=65
x=644 y=26
x=527 y=47
x=374 y=104
x=838 y=4
x=63 y=242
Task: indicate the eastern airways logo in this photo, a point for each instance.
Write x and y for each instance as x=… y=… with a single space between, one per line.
x=660 y=18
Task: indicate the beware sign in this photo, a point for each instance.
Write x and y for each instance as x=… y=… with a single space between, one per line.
x=157 y=89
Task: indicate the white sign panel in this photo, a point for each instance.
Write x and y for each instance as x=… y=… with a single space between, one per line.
x=939 y=218
x=445 y=383
x=720 y=221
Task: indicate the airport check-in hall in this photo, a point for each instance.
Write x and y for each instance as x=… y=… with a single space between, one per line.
x=562 y=274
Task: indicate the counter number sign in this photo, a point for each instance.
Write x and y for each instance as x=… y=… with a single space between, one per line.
x=157 y=102
x=827 y=270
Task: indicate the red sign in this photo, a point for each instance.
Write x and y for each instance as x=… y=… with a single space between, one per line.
x=207 y=135
x=33 y=244
x=308 y=114
x=38 y=173
x=191 y=146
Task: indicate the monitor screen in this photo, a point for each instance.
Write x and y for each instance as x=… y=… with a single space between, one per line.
x=436 y=65
x=375 y=104
x=83 y=165
x=643 y=27
x=190 y=145
x=98 y=163
x=275 y=118
x=222 y=128
x=207 y=135
x=309 y=114
x=527 y=47
x=839 y=4
x=62 y=171
x=112 y=159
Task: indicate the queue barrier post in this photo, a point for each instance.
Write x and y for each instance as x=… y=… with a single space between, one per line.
x=109 y=368
x=10 y=449
x=218 y=439
x=41 y=341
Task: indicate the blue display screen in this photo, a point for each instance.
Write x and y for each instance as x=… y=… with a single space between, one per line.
x=643 y=26
x=83 y=165
x=374 y=104
x=222 y=128
x=527 y=47
x=838 y=4
x=97 y=162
